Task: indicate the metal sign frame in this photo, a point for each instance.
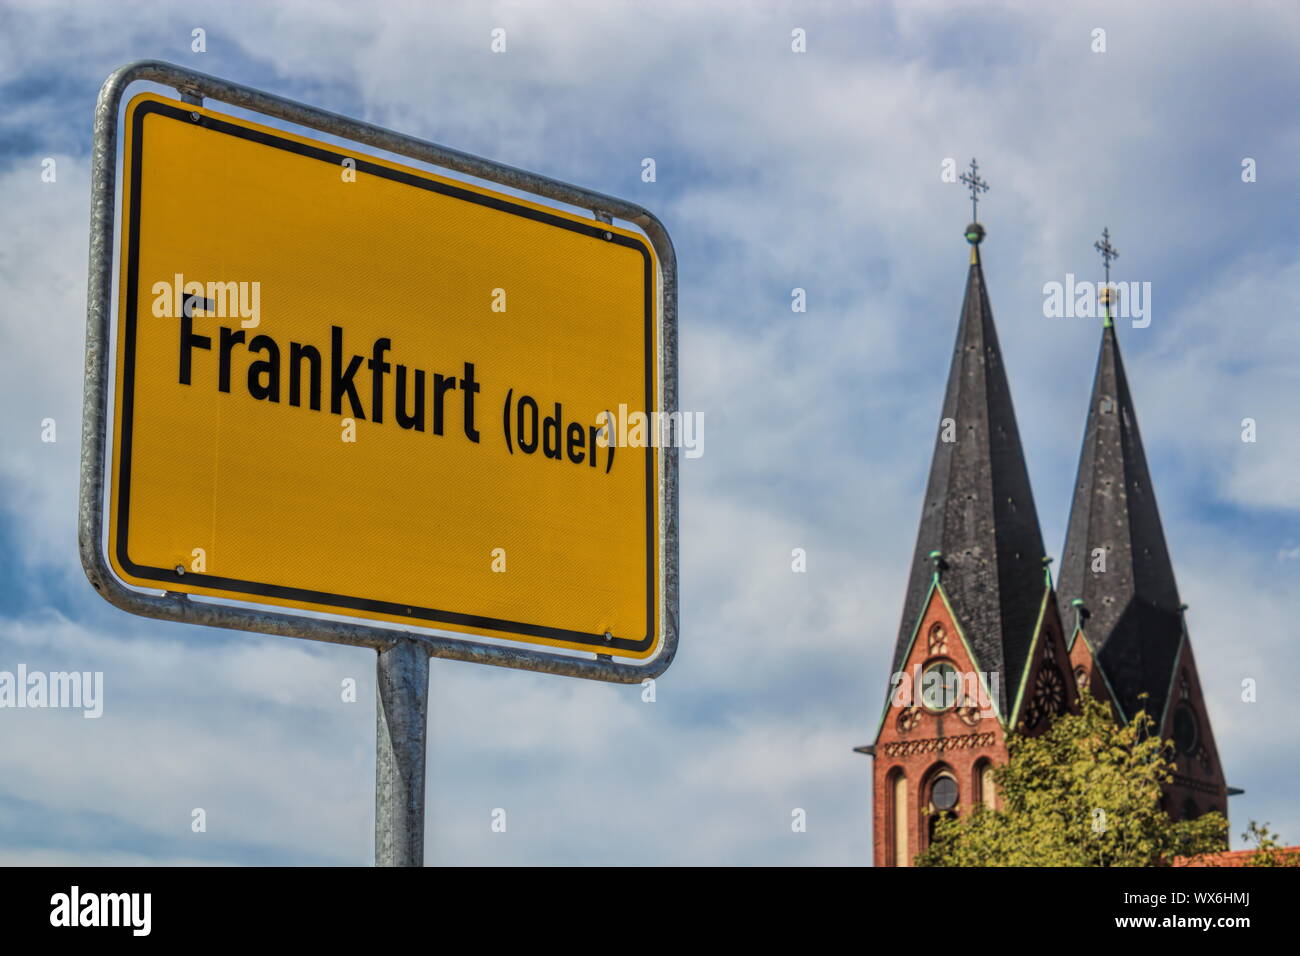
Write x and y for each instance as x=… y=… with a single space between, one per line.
x=194 y=87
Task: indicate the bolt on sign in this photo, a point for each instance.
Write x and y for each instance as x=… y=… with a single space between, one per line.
x=347 y=385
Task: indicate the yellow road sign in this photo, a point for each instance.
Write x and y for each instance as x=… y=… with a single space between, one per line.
x=350 y=386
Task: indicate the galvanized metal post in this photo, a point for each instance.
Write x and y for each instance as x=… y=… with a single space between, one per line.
x=402 y=708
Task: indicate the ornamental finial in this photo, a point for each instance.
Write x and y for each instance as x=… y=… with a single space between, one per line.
x=1108 y=252
x=976 y=186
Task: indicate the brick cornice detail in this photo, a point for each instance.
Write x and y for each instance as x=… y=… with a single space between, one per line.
x=905 y=748
x=1192 y=783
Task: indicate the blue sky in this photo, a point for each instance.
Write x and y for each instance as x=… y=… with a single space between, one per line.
x=775 y=170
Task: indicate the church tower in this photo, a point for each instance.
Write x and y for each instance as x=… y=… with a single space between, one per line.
x=1127 y=632
x=980 y=646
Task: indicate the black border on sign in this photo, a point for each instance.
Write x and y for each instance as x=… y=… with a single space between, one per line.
x=167 y=576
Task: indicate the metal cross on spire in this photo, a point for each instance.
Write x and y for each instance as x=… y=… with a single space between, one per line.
x=976 y=186
x=1108 y=252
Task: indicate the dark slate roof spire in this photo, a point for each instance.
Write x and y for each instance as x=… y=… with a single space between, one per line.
x=1130 y=611
x=979 y=511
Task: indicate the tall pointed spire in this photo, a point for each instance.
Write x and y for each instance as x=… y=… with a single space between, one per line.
x=979 y=534
x=1116 y=561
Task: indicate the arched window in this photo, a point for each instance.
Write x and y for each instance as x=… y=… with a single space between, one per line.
x=985 y=791
x=941 y=797
x=897 y=820
x=943 y=793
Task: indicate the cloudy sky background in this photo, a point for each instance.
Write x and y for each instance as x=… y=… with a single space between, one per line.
x=775 y=170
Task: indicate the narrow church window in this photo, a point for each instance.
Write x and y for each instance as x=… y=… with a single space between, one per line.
x=984 y=783
x=941 y=799
x=898 y=854
x=1187 y=731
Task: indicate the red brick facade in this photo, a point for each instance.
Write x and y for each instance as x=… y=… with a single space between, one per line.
x=1199 y=785
x=918 y=744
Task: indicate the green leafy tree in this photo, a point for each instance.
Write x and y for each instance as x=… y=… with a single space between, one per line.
x=1084 y=793
x=1269 y=850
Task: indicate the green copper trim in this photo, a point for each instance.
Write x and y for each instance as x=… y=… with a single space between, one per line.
x=889 y=694
x=974 y=658
x=1077 y=604
x=1096 y=664
x=1183 y=643
x=961 y=633
x=1033 y=649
